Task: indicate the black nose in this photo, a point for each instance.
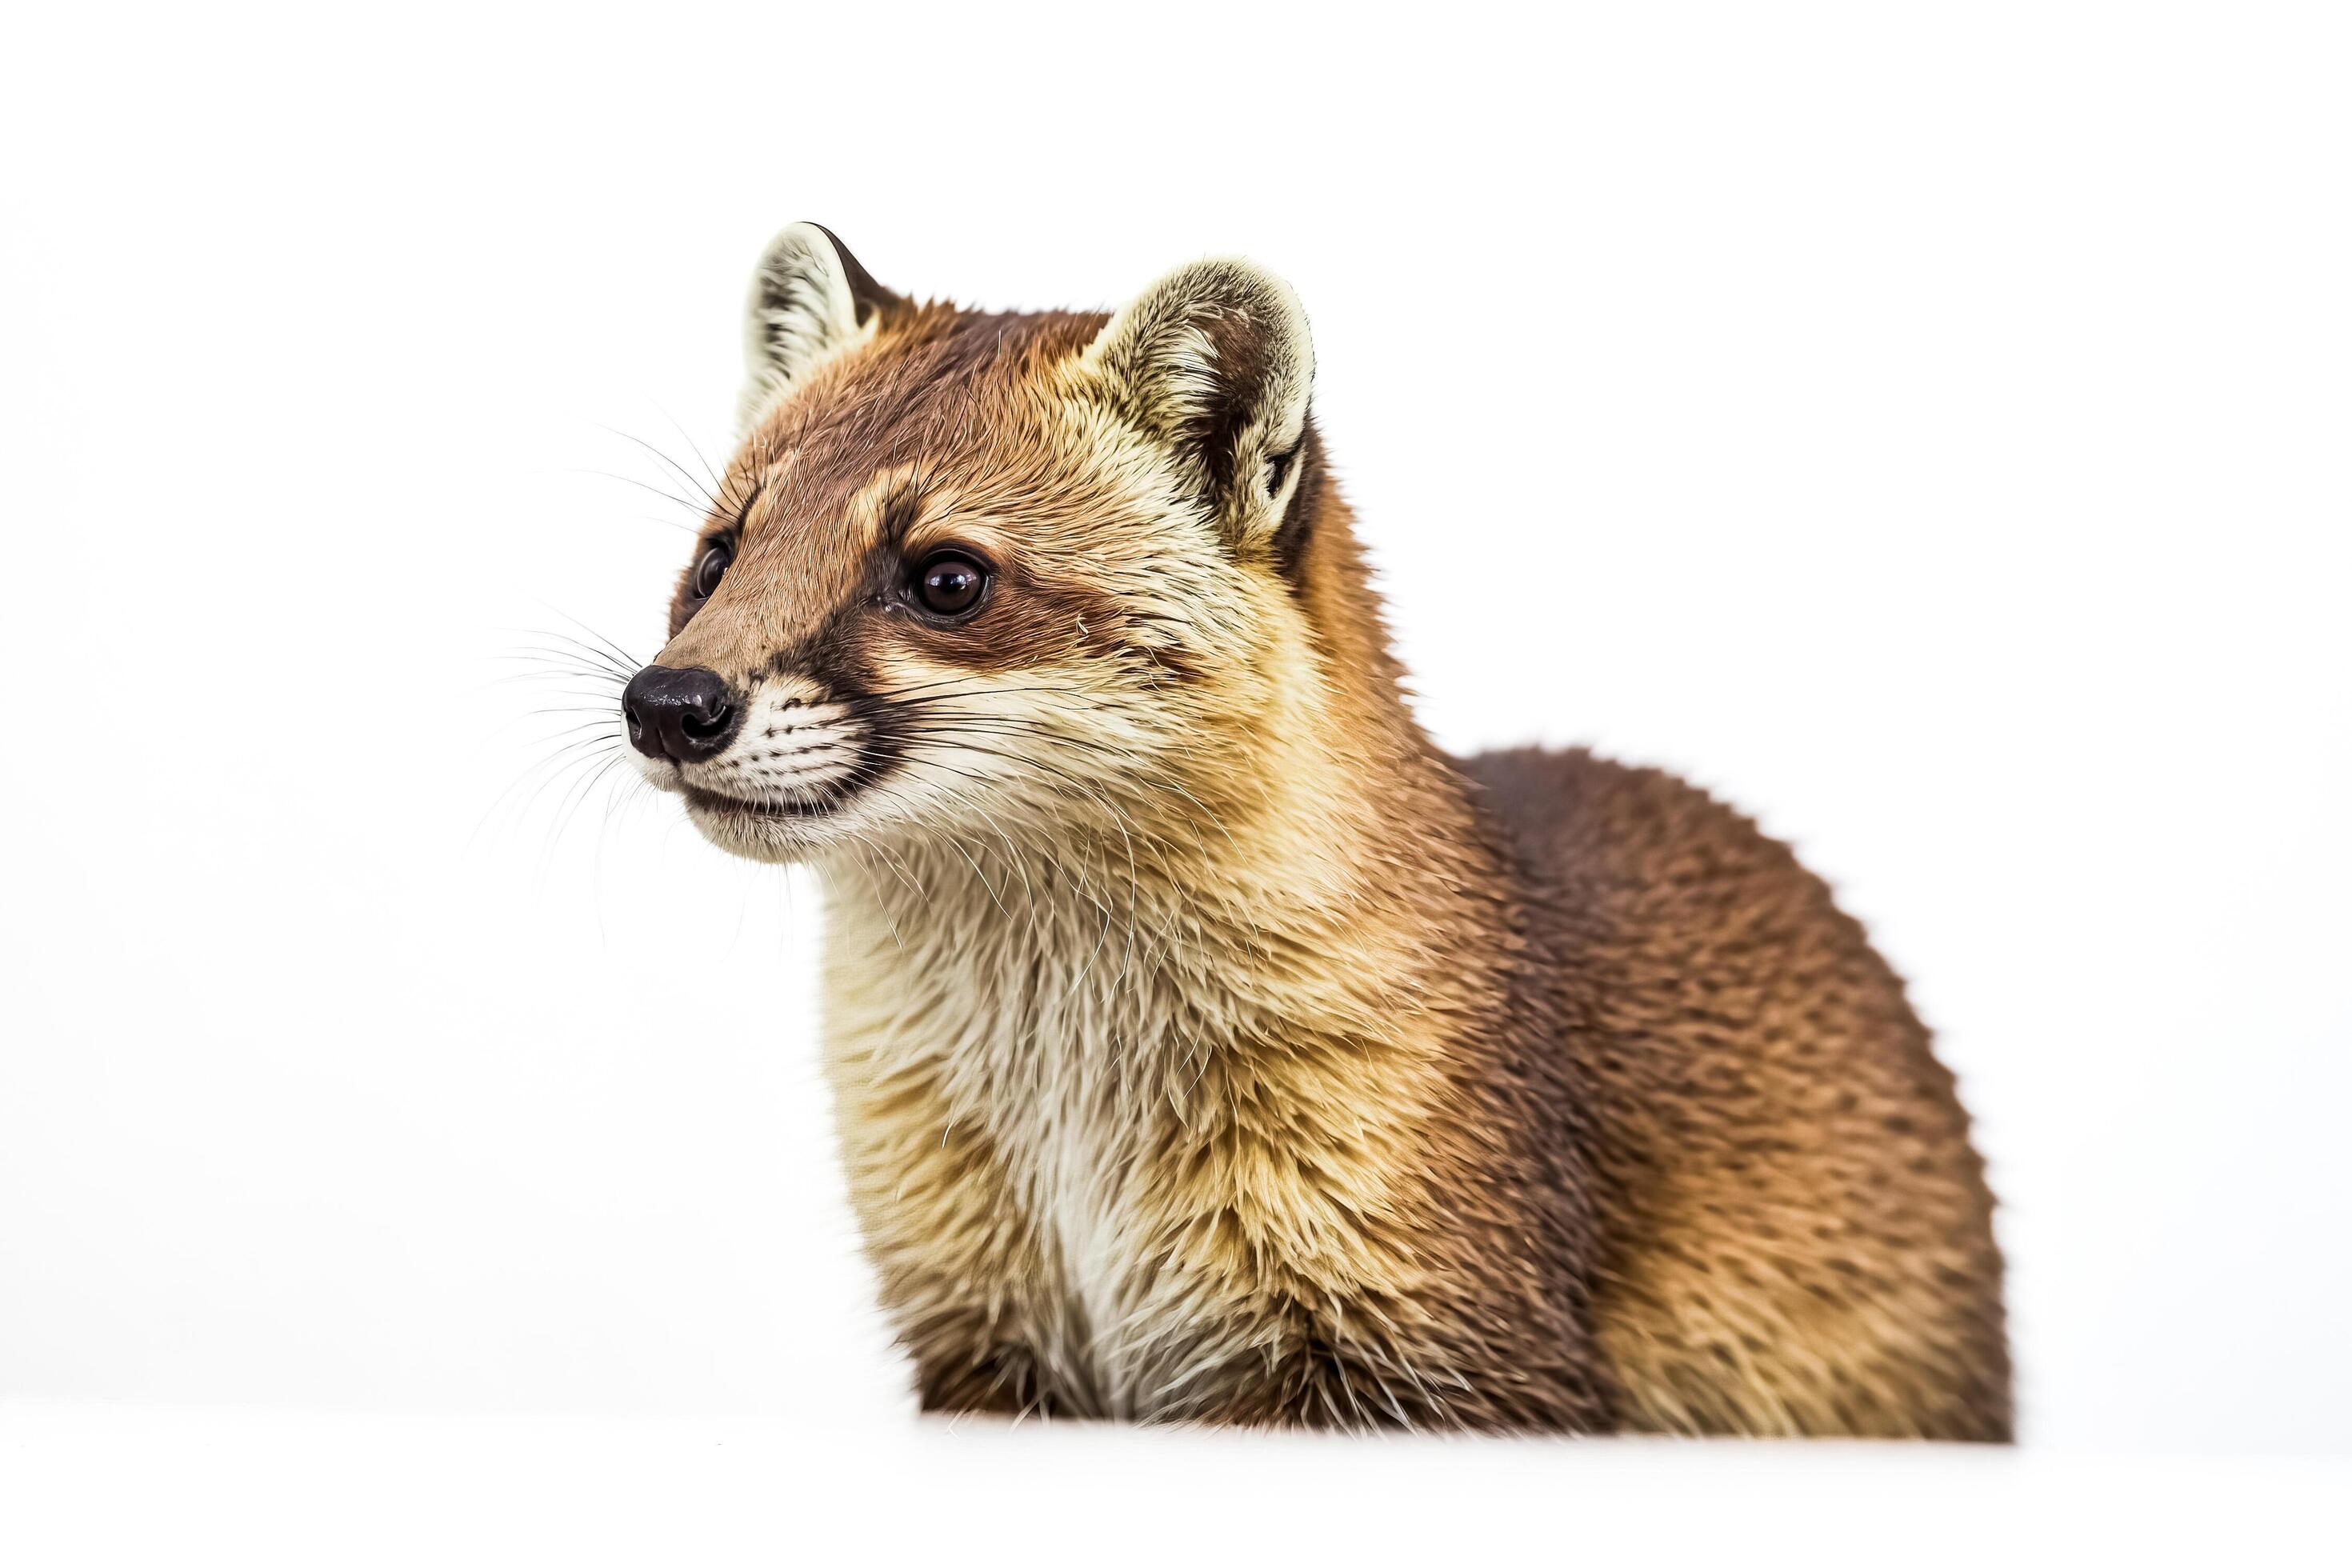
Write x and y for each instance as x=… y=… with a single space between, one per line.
x=681 y=714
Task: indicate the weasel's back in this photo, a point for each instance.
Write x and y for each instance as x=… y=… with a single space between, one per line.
x=1796 y=1233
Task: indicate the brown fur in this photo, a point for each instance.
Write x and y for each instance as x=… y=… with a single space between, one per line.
x=1208 y=1047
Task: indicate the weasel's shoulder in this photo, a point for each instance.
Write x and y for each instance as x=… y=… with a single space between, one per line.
x=1590 y=823
x=1639 y=859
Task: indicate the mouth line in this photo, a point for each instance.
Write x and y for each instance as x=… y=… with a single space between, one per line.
x=788 y=810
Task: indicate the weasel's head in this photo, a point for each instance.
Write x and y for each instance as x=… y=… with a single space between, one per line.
x=970 y=574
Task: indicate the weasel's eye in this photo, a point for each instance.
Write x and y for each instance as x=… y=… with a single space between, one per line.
x=709 y=569
x=950 y=583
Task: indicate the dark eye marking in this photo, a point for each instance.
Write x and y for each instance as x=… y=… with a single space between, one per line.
x=1277 y=468
x=948 y=585
x=900 y=514
x=711 y=559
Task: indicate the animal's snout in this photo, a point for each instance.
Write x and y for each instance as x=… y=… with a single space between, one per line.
x=684 y=715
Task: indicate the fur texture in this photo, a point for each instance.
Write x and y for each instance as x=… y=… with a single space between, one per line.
x=1206 y=1045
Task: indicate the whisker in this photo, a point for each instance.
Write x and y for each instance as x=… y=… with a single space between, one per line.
x=711 y=497
x=611 y=652
x=669 y=496
x=717 y=485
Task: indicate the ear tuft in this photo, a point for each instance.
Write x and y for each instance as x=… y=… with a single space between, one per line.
x=1215 y=360
x=810 y=301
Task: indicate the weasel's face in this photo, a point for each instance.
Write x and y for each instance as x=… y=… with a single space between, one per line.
x=979 y=573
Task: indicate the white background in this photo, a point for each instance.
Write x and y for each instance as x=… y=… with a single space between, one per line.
x=1925 y=425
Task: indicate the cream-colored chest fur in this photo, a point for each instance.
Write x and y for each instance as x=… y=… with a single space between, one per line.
x=1032 y=1017
x=1147 y=1118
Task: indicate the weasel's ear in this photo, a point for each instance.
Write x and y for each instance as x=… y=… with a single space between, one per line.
x=1216 y=360
x=810 y=301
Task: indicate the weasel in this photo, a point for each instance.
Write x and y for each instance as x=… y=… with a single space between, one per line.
x=1206 y=1045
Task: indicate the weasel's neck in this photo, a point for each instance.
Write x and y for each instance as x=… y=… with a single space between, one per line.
x=1350 y=903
